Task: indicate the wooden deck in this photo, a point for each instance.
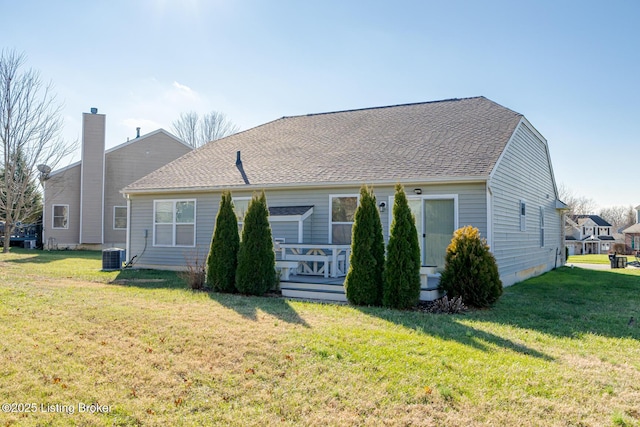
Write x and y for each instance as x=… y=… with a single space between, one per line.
x=318 y=288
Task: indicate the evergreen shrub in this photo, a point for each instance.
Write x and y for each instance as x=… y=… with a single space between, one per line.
x=363 y=284
x=470 y=269
x=256 y=273
x=402 y=268
x=222 y=261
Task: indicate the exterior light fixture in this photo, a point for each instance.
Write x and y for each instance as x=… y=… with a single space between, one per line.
x=417 y=190
x=383 y=207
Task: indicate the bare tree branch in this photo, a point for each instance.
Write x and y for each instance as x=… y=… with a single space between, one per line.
x=620 y=217
x=197 y=131
x=30 y=134
x=578 y=205
x=214 y=126
x=185 y=128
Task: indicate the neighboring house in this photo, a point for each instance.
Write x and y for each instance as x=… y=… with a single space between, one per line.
x=632 y=235
x=461 y=161
x=588 y=234
x=83 y=206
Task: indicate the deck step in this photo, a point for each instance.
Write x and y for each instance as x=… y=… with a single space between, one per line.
x=314 y=295
x=328 y=287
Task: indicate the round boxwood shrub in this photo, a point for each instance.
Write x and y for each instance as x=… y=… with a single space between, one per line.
x=256 y=273
x=470 y=270
x=363 y=284
x=223 y=255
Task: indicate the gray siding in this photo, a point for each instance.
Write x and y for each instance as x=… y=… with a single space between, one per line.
x=471 y=210
x=92 y=181
x=524 y=173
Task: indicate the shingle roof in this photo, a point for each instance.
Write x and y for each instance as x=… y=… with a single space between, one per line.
x=600 y=222
x=457 y=138
x=288 y=210
x=635 y=228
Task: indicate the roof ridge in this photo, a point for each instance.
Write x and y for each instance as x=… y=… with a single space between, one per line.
x=408 y=104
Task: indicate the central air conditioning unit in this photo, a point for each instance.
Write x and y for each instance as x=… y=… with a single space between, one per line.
x=112 y=258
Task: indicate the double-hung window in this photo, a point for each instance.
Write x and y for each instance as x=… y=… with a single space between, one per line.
x=119 y=217
x=542 y=226
x=523 y=215
x=343 y=209
x=60 y=216
x=174 y=222
x=240 y=207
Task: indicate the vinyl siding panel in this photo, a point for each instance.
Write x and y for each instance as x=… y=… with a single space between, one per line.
x=524 y=173
x=63 y=189
x=129 y=163
x=471 y=199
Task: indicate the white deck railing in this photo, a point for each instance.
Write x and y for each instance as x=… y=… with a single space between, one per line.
x=318 y=259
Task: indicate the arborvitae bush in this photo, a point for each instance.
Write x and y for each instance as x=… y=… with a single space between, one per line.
x=402 y=269
x=470 y=270
x=223 y=256
x=256 y=272
x=363 y=284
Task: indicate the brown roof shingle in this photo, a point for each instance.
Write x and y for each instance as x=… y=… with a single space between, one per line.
x=448 y=139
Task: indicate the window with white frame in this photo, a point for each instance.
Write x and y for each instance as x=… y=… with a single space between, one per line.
x=523 y=215
x=174 y=222
x=60 y=216
x=119 y=217
x=240 y=207
x=342 y=209
x=542 y=226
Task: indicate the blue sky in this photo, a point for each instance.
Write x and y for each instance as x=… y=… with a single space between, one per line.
x=571 y=67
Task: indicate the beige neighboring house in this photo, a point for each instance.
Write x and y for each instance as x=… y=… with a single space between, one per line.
x=83 y=206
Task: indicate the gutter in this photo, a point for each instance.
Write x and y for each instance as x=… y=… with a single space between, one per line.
x=328 y=184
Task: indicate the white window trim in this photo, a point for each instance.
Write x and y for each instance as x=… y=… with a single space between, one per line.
x=53 y=216
x=422 y=198
x=542 y=227
x=114 y=217
x=173 y=224
x=523 y=218
x=331 y=197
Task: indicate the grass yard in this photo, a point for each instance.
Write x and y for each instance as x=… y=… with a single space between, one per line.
x=556 y=350
x=593 y=259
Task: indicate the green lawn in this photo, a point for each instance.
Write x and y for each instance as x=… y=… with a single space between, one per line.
x=555 y=350
x=595 y=259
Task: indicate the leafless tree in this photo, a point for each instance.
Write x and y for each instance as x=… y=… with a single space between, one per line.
x=619 y=216
x=578 y=205
x=197 y=131
x=30 y=135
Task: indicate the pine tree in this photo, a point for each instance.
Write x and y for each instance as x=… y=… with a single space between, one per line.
x=402 y=269
x=363 y=284
x=222 y=261
x=256 y=272
x=470 y=270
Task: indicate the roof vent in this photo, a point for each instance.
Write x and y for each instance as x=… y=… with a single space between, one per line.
x=94 y=110
x=137 y=132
